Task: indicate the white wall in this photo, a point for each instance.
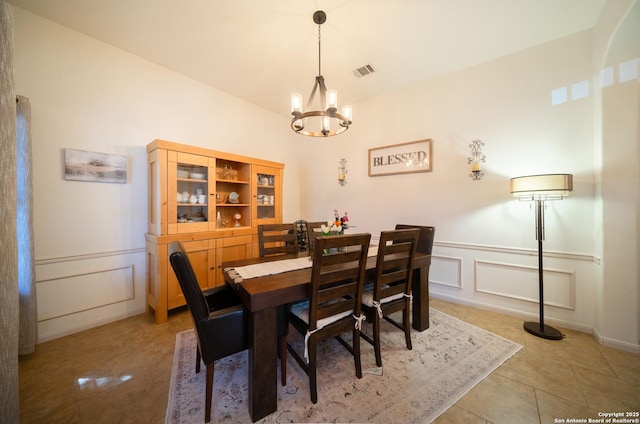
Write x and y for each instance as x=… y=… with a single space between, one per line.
x=89 y=237
x=90 y=96
x=485 y=251
x=620 y=134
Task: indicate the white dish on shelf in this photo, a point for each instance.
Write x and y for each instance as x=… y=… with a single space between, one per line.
x=183 y=173
x=197 y=176
x=234 y=197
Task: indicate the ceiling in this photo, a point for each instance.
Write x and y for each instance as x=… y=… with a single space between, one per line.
x=263 y=50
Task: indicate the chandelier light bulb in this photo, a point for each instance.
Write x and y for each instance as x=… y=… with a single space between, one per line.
x=332 y=100
x=296 y=102
x=346 y=112
x=326 y=125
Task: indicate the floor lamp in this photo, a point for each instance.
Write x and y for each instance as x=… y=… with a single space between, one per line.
x=540 y=189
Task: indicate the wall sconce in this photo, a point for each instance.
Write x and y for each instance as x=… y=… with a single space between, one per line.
x=342 y=172
x=475 y=159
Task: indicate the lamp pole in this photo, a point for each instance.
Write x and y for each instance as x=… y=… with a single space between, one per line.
x=539 y=329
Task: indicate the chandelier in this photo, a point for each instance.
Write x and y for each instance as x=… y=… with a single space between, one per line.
x=325 y=121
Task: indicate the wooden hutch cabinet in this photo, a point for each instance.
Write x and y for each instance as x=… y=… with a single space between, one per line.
x=213 y=203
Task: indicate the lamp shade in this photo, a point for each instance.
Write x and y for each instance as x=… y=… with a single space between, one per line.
x=546 y=185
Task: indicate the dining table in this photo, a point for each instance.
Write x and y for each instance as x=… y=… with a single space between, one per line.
x=289 y=281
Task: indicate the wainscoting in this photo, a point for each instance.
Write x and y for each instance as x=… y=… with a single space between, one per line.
x=79 y=292
x=506 y=280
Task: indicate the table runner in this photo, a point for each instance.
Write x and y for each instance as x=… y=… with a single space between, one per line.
x=273 y=267
x=276 y=267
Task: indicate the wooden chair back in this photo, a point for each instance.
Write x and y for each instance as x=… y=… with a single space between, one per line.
x=277 y=239
x=394 y=269
x=313 y=231
x=425 y=240
x=337 y=276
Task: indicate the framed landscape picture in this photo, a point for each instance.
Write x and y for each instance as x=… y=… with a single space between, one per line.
x=405 y=158
x=80 y=165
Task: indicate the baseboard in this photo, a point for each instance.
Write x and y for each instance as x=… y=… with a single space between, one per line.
x=512 y=312
x=616 y=344
x=86 y=325
x=612 y=343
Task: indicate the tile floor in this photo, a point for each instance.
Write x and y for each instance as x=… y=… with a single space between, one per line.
x=120 y=372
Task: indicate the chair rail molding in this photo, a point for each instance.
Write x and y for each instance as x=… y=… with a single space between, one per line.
x=519 y=251
x=85 y=256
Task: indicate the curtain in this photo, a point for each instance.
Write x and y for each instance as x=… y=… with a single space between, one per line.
x=9 y=403
x=28 y=313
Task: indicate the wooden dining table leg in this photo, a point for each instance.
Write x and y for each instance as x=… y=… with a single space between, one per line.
x=420 y=292
x=263 y=395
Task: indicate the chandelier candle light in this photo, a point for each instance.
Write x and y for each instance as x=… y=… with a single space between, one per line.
x=540 y=189
x=326 y=119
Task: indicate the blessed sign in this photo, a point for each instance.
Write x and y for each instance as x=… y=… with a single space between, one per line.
x=404 y=158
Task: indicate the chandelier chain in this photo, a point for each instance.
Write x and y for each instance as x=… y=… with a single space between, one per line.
x=319 y=51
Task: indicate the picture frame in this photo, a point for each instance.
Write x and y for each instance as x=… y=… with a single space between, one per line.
x=82 y=165
x=404 y=158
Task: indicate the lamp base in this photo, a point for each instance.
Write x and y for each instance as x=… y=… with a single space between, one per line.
x=547 y=332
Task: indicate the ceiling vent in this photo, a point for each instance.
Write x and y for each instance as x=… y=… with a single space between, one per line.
x=364 y=71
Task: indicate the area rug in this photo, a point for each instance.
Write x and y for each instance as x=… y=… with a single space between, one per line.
x=412 y=386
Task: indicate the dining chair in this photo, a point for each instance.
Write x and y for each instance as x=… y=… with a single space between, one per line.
x=219 y=318
x=313 y=231
x=273 y=240
x=277 y=239
x=391 y=288
x=334 y=307
x=425 y=240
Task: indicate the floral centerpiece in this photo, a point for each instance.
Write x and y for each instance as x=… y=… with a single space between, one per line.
x=337 y=226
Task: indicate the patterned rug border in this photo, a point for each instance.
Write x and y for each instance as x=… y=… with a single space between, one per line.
x=437 y=317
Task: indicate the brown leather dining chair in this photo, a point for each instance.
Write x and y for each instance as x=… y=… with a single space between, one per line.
x=337 y=280
x=391 y=289
x=219 y=318
x=279 y=239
